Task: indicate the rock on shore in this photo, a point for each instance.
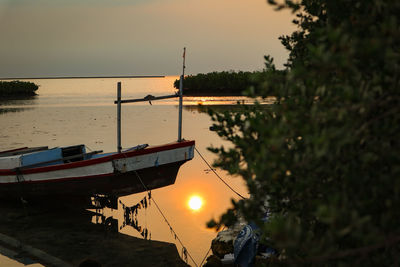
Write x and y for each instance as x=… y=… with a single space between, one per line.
x=223 y=245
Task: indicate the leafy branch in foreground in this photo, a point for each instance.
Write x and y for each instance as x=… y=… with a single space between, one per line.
x=324 y=158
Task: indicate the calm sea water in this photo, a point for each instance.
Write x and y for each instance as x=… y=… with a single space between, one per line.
x=81 y=111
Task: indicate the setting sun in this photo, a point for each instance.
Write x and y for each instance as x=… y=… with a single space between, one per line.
x=195 y=202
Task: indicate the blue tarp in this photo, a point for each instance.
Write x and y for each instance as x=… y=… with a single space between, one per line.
x=42 y=156
x=246 y=245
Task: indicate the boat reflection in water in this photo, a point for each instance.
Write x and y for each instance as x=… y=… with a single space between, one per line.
x=129 y=218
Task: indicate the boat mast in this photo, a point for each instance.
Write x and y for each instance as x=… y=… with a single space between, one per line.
x=180 y=97
x=149 y=98
x=119 y=147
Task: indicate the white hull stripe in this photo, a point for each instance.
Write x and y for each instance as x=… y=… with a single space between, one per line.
x=108 y=168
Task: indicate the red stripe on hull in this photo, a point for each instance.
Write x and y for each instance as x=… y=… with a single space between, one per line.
x=84 y=163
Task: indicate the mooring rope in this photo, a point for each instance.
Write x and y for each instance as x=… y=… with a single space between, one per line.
x=212 y=169
x=184 y=249
x=205 y=257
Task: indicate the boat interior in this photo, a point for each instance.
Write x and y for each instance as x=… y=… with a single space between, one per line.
x=43 y=156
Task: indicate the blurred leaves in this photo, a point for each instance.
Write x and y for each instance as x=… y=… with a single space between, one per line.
x=324 y=158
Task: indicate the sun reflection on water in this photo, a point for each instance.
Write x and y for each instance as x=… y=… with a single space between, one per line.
x=195 y=202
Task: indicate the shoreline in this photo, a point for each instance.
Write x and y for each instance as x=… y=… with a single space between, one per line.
x=211 y=94
x=70 y=235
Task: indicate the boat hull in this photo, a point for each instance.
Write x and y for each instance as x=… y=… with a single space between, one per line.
x=118 y=184
x=114 y=175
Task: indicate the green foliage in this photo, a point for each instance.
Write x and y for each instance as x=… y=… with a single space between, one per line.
x=217 y=83
x=325 y=156
x=17 y=88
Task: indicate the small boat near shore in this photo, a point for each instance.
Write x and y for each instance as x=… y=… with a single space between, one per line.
x=71 y=172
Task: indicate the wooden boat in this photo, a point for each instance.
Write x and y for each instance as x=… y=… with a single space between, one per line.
x=70 y=171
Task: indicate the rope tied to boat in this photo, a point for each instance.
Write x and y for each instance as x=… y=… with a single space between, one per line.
x=185 y=252
x=213 y=170
x=208 y=252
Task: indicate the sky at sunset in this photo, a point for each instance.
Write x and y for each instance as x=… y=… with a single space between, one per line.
x=137 y=37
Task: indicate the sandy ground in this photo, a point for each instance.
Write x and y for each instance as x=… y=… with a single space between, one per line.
x=70 y=236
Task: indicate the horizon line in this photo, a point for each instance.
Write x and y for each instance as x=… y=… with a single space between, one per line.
x=81 y=77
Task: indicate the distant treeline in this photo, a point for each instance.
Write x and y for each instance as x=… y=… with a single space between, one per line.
x=218 y=83
x=17 y=88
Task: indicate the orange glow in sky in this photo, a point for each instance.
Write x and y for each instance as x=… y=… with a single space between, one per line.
x=93 y=38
